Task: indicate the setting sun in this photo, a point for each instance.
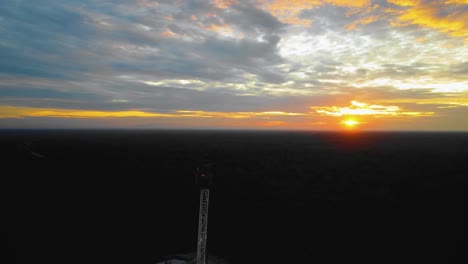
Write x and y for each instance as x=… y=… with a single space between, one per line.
x=350 y=122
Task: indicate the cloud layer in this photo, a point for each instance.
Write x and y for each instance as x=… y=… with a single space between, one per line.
x=142 y=63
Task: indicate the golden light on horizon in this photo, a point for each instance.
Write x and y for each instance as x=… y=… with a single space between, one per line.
x=366 y=109
x=21 y=112
x=350 y=123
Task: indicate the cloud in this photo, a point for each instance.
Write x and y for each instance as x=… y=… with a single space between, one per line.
x=290 y=11
x=225 y=58
x=21 y=112
x=445 y=16
x=44 y=93
x=459 y=68
x=364 y=109
x=70 y=40
x=40 y=40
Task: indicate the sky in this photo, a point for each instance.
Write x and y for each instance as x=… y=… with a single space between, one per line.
x=235 y=64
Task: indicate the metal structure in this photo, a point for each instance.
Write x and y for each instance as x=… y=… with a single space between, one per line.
x=203 y=226
x=204 y=178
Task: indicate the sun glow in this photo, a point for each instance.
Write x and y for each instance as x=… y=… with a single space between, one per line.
x=350 y=123
x=365 y=109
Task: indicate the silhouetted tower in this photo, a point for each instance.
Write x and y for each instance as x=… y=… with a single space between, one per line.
x=204 y=176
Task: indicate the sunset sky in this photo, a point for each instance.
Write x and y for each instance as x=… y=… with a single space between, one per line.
x=235 y=64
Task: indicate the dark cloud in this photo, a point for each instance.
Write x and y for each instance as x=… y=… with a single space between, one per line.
x=401 y=70
x=67 y=40
x=213 y=59
x=39 y=40
x=30 y=92
x=459 y=69
x=244 y=52
x=252 y=20
x=326 y=18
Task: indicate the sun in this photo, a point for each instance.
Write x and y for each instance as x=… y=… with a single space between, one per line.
x=350 y=123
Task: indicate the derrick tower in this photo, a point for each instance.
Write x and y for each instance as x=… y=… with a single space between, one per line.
x=204 y=177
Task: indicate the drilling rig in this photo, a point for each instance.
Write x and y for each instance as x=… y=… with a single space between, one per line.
x=204 y=178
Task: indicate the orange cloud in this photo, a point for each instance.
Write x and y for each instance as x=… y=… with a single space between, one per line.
x=224 y=3
x=458 y=101
x=405 y=2
x=405 y=12
x=362 y=21
x=456 y=2
x=168 y=33
x=225 y=28
x=289 y=11
x=362 y=109
x=349 y=3
x=21 y=112
x=428 y=14
x=235 y=115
